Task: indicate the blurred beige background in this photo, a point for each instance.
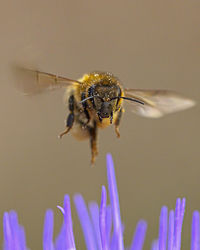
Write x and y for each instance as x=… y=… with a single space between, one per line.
x=147 y=44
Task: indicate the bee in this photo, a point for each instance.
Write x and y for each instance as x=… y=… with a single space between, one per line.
x=96 y=101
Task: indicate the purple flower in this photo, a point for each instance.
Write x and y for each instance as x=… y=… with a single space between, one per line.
x=102 y=226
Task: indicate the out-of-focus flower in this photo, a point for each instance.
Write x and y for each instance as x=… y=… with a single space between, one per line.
x=102 y=226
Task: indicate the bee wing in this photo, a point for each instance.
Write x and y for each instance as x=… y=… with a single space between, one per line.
x=157 y=102
x=33 y=81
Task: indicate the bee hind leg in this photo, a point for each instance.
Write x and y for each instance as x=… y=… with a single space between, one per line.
x=93 y=142
x=70 y=118
x=117 y=122
x=69 y=124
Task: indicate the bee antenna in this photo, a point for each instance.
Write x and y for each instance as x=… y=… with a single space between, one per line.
x=128 y=98
x=90 y=97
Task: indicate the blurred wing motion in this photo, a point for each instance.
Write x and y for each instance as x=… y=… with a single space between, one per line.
x=157 y=102
x=33 y=82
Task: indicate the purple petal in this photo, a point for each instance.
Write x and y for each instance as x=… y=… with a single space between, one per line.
x=114 y=200
x=102 y=220
x=15 y=230
x=65 y=239
x=22 y=238
x=139 y=236
x=70 y=243
x=85 y=221
x=177 y=219
x=195 y=241
x=179 y=215
x=162 y=239
x=60 y=242
x=114 y=242
x=7 y=232
x=94 y=212
x=108 y=223
x=171 y=231
x=48 y=231
x=14 y=236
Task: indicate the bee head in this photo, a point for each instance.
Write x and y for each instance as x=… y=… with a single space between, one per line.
x=104 y=108
x=105 y=99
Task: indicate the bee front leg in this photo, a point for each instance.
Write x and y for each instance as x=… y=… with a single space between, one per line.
x=70 y=118
x=85 y=106
x=93 y=142
x=117 y=122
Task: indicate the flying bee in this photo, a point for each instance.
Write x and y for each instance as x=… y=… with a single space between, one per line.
x=96 y=101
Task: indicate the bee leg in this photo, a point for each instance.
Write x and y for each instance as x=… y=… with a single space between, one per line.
x=111 y=117
x=87 y=115
x=93 y=142
x=70 y=118
x=69 y=124
x=117 y=122
x=84 y=104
